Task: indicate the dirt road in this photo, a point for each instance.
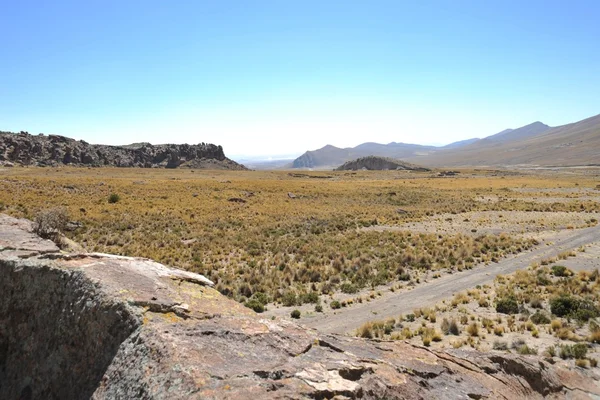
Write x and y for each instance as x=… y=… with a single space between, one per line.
x=428 y=294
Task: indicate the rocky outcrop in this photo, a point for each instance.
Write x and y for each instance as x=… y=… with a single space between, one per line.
x=373 y=163
x=25 y=149
x=92 y=325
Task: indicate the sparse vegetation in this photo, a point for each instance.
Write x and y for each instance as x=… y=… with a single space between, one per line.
x=50 y=223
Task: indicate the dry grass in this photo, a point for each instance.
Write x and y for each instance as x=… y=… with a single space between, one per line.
x=287 y=249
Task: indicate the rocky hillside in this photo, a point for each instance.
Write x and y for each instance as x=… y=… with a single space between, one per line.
x=75 y=326
x=374 y=163
x=52 y=150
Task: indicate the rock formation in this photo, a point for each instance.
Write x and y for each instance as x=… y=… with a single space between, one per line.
x=76 y=326
x=25 y=149
x=379 y=163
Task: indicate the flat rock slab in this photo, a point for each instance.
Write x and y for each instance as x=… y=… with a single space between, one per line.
x=17 y=234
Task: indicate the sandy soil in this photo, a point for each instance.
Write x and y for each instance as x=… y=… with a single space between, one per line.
x=494 y=222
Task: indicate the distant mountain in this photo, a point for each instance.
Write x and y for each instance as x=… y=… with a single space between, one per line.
x=331 y=156
x=374 y=163
x=524 y=132
x=53 y=150
x=461 y=143
x=532 y=145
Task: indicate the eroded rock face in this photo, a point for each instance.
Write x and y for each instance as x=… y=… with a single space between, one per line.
x=93 y=325
x=25 y=149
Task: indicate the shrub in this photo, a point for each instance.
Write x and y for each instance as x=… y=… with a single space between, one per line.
x=550 y=351
x=507 y=305
x=540 y=318
x=500 y=345
x=366 y=330
x=563 y=305
x=50 y=223
x=454 y=329
x=256 y=305
x=114 y=198
x=473 y=329
x=526 y=350
x=586 y=310
x=295 y=314
x=289 y=299
x=335 y=305
x=310 y=297
x=577 y=351
x=560 y=270
x=348 y=288
x=445 y=326
x=318 y=308
x=536 y=302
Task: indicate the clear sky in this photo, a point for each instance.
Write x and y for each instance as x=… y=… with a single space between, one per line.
x=275 y=77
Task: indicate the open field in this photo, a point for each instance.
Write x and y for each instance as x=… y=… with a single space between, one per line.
x=281 y=239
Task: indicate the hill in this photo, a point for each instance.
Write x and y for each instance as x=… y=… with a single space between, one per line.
x=379 y=163
x=53 y=150
x=573 y=144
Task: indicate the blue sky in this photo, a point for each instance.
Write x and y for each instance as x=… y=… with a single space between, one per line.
x=278 y=77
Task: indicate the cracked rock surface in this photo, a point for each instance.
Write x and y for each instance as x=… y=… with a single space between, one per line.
x=78 y=326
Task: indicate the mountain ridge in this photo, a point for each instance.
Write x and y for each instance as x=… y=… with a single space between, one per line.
x=535 y=144
x=53 y=150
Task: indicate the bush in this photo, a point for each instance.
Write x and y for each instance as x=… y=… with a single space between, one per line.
x=540 y=318
x=50 y=223
x=295 y=314
x=114 y=198
x=318 y=308
x=500 y=345
x=577 y=351
x=348 y=288
x=366 y=331
x=454 y=329
x=473 y=329
x=335 y=305
x=256 y=305
x=560 y=270
x=507 y=305
x=563 y=305
x=289 y=299
x=526 y=350
x=310 y=297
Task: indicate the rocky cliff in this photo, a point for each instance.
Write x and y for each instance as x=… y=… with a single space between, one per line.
x=374 y=163
x=78 y=326
x=52 y=150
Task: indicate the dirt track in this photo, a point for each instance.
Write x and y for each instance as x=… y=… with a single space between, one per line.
x=429 y=293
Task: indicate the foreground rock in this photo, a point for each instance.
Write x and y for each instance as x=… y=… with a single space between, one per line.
x=76 y=326
x=373 y=163
x=25 y=149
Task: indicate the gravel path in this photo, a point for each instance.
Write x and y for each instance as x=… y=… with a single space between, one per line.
x=428 y=294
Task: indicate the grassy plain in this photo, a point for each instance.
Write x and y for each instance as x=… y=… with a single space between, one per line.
x=288 y=238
